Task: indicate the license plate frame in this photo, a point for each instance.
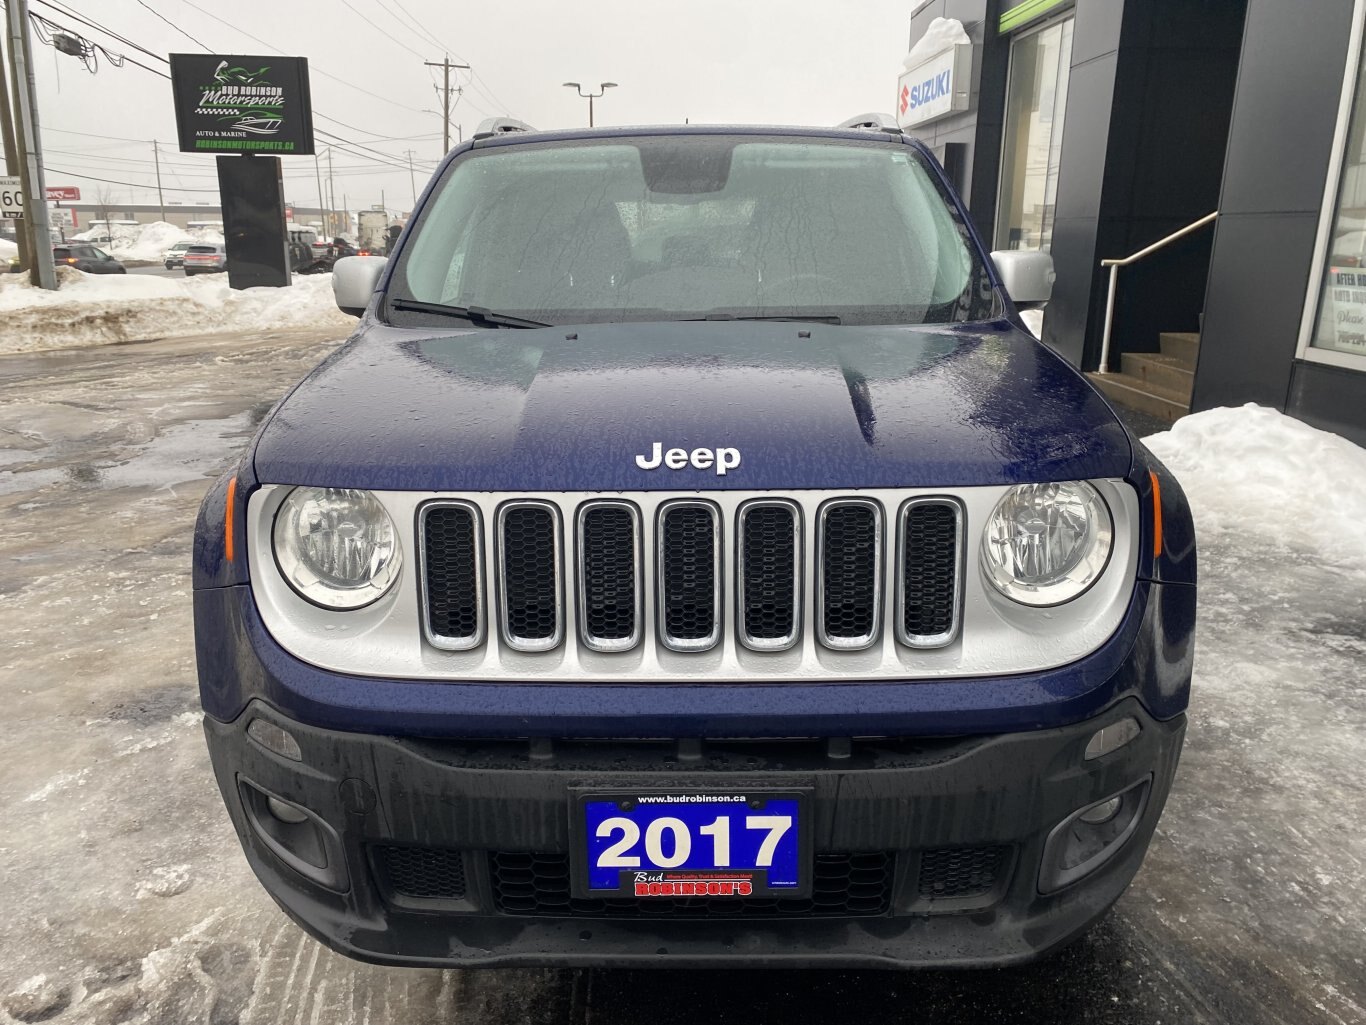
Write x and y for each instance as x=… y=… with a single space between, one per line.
x=789 y=875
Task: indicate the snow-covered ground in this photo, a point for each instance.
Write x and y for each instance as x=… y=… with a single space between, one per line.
x=7 y=250
x=95 y=309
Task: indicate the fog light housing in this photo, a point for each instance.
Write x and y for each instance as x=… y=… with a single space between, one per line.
x=1092 y=816
x=1091 y=836
x=286 y=813
x=295 y=835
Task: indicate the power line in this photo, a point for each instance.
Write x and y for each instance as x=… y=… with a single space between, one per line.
x=111 y=181
x=62 y=9
x=172 y=24
x=347 y=4
x=351 y=85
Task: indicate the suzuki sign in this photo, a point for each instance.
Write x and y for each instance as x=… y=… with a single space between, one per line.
x=937 y=86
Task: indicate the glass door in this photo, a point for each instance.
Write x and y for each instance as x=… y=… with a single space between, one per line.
x=1031 y=150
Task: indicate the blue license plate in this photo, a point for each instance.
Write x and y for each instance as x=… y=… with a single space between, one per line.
x=675 y=844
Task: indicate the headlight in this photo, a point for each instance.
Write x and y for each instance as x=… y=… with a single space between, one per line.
x=336 y=547
x=1047 y=543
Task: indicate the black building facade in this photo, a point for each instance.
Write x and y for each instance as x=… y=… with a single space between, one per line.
x=1092 y=129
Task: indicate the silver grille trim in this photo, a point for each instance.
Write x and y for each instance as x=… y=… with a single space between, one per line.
x=944 y=637
x=822 y=633
x=638 y=591
x=667 y=638
x=749 y=640
x=514 y=640
x=387 y=640
x=446 y=642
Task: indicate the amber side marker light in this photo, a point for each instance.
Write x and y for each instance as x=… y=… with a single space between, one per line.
x=229 y=519
x=1157 y=515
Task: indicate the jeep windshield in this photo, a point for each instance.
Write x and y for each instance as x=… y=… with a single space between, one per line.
x=691 y=226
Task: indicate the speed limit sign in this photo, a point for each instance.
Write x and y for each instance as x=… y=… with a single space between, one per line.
x=11 y=198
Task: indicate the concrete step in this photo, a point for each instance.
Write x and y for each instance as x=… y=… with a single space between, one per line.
x=1184 y=345
x=1127 y=390
x=1168 y=373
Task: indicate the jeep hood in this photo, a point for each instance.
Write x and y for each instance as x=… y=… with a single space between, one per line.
x=806 y=405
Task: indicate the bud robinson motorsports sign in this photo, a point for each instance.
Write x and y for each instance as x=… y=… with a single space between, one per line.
x=229 y=104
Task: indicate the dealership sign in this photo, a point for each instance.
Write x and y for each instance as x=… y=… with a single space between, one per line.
x=233 y=104
x=63 y=194
x=939 y=85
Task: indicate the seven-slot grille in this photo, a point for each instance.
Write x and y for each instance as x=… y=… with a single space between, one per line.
x=686 y=542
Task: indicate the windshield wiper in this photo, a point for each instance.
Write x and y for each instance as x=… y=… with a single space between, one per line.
x=818 y=318
x=474 y=314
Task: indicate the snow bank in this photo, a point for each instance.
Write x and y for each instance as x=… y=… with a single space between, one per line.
x=97 y=309
x=7 y=250
x=1254 y=471
x=941 y=34
x=146 y=242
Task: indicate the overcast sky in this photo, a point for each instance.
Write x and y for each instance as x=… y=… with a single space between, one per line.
x=730 y=61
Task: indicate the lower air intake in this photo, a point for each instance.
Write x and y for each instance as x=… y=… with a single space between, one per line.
x=844 y=886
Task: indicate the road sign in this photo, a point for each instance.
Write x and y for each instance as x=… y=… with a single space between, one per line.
x=11 y=198
x=63 y=193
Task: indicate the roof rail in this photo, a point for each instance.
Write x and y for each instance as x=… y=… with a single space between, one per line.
x=500 y=126
x=874 y=121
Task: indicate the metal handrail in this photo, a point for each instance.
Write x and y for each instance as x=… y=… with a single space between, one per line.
x=1115 y=265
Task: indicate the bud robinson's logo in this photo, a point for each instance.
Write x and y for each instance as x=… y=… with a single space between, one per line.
x=243 y=101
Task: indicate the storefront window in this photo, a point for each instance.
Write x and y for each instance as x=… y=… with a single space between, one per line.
x=1032 y=148
x=1341 y=325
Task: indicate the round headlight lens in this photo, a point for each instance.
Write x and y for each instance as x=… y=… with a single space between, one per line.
x=337 y=547
x=1047 y=543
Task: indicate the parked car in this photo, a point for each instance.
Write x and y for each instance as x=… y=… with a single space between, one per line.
x=205 y=258
x=175 y=256
x=692 y=559
x=86 y=257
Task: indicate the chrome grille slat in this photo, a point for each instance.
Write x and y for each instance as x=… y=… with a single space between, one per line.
x=690 y=575
x=849 y=573
x=452 y=574
x=690 y=586
x=929 y=571
x=611 y=588
x=530 y=591
x=768 y=574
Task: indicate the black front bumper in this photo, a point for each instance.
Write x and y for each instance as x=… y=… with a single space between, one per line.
x=961 y=825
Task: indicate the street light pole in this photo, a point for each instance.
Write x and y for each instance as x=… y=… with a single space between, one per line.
x=590 y=96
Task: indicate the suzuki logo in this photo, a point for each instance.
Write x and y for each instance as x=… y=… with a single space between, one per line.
x=723 y=459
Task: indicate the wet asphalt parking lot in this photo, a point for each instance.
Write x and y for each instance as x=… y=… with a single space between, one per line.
x=127 y=898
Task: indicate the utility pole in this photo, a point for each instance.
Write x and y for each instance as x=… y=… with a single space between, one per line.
x=317 y=170
x=331 y=196
x=412 y=180
x=161 y=200
x=446 y=67
x=29 y=145
x=11 y=149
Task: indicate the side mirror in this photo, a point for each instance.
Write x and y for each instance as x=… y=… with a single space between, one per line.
x=1026 y=274
x=353 y=282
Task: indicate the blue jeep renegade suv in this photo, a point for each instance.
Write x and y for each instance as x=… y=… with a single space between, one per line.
x=691 y=559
